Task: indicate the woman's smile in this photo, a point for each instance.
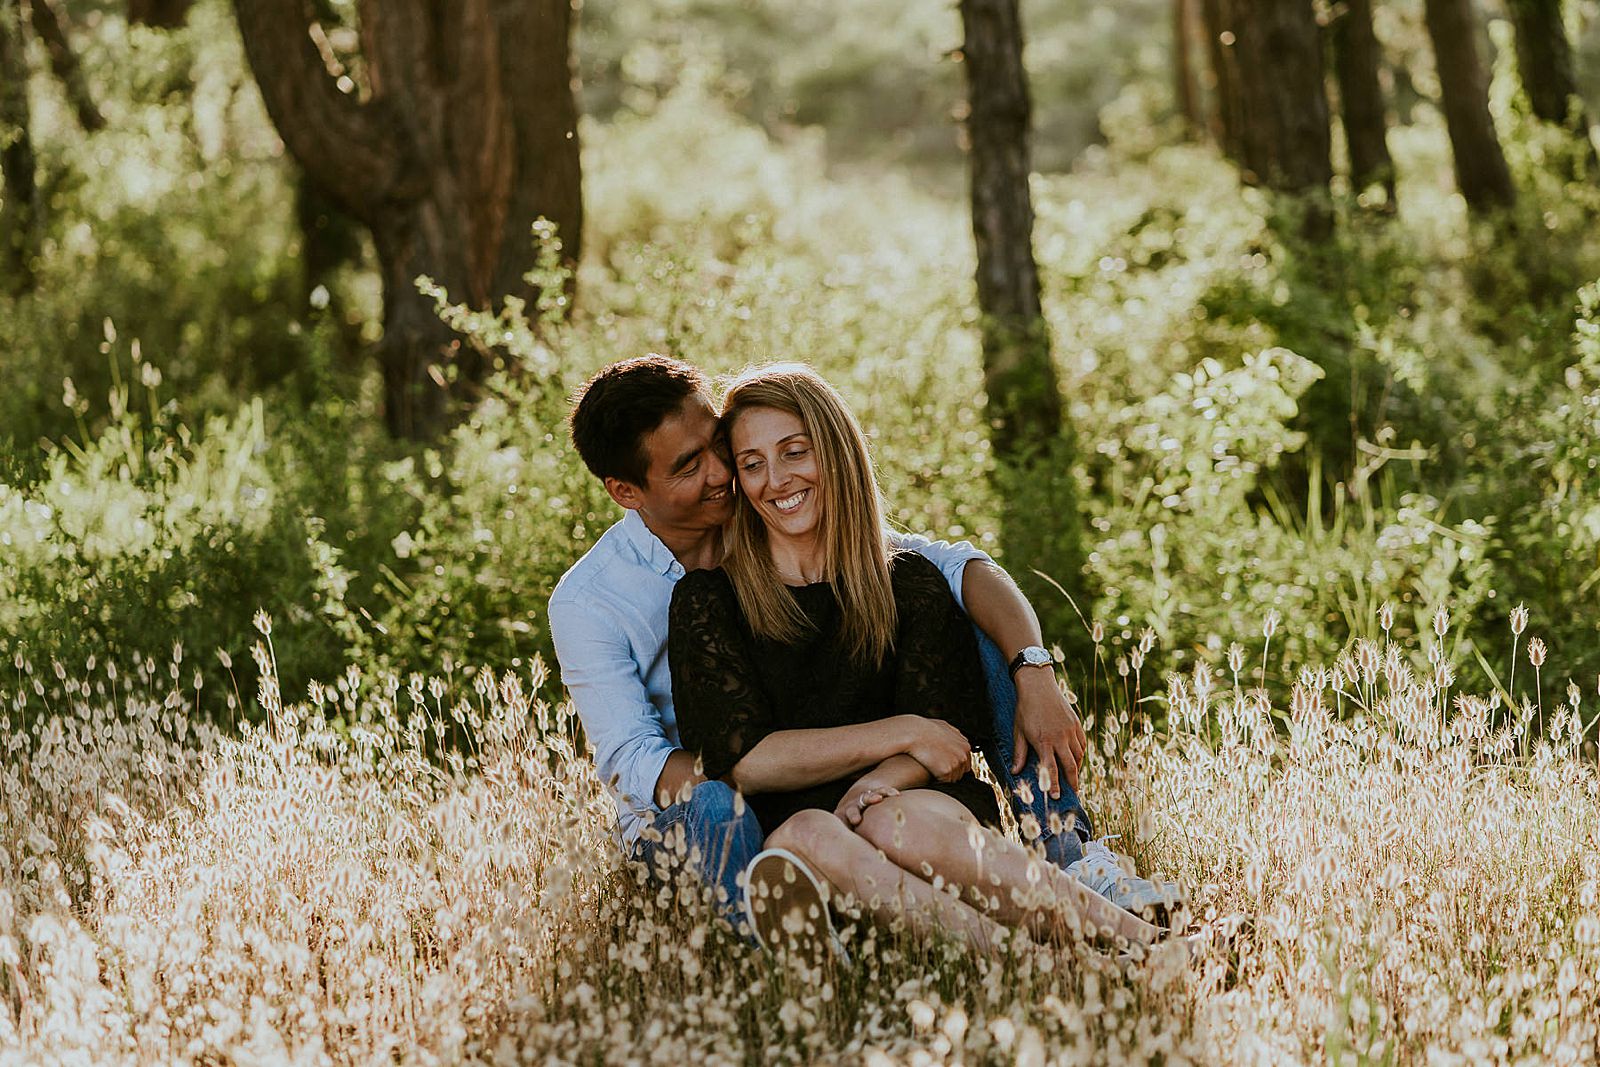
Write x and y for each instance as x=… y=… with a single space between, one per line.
x=790 y=503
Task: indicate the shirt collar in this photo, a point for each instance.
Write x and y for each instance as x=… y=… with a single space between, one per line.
x=655 y=554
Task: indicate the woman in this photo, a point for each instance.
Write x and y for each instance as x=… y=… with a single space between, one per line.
x=813 y=622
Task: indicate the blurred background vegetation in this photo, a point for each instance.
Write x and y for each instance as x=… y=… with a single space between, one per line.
x=1400 y=406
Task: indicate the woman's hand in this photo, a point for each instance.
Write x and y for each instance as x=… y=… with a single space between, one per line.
x=862 y=796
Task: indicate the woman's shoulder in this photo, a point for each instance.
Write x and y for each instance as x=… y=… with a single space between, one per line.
x=703 y=585
x=912 y=571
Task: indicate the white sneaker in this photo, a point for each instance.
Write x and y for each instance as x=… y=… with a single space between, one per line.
x=787 y=908
x=1110 y=875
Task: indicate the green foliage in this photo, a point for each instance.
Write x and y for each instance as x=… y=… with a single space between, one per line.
x=1405 y=414
x=175 y=222
x=138 y=537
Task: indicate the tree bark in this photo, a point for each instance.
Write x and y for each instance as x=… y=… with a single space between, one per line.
x=1544 y=62
x=1357 y=58
x=1480 y=165
x=1024 y=398
x=19 y=221
x=1185 y=85
x=1268 y=60
x=1287 y=140
x=160 y=14
x=1268 y=57
x=1032 y=440
x=448 y=163
x=50 y=27
x=1222 y=49
x=545 y=180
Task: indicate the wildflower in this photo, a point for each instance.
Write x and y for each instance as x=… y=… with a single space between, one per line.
x=1236 y=657
x=1097 y=633
x=1441 y=622
x=1519 y=620
x=1270 y=625
x=1367 y=659
x=1536 y=652
x=1386 y=616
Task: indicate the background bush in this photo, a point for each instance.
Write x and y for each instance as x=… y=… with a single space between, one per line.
x=1404 y=415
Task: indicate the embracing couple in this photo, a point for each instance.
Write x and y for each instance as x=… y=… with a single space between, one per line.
x=784 y=694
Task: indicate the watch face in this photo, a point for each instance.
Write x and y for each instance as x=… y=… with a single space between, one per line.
x=1035 y=655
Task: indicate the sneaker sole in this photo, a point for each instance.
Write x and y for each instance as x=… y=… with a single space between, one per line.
x=786 y=907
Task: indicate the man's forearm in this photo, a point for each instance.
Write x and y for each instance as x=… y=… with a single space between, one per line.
x=796 y=759
x=896 y=772
x=998 y=607
x=1045 y=723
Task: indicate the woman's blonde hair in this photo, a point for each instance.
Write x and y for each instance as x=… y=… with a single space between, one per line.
x=855 y=555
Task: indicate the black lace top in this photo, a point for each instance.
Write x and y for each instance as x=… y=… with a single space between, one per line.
x=731 y=688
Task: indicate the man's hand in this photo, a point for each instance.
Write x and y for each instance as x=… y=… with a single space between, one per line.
x=938 y=746
x=1047 y=725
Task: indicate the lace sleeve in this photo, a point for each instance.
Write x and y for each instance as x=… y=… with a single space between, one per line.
x=722 y=712
x=937 y=671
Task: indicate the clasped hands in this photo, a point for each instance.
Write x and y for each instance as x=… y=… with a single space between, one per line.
x=930 y=749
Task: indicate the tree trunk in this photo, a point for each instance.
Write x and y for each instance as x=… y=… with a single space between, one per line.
x=546 y=182
x=1033 y=446
x=160 y=14
x=1222 y=49
x=1024 y=399
x=1480 y=165
x=1357 y=56
x=1185 y=86
x=1268 y=55
x=1544 y=61
x=1287 y=140
x=449 y=162
x=50 y=27
x=19 y=221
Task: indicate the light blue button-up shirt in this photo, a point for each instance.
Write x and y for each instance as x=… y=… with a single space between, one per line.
x=608 y=616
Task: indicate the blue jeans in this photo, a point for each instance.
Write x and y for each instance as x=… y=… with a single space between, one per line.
x=1063 y=847
x=717 y=844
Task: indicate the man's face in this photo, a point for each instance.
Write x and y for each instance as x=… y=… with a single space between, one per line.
x=689 y=486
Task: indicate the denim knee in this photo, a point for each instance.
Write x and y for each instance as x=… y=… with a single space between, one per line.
x=712 y=802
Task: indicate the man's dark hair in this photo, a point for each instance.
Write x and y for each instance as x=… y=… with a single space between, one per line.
x=622 y=404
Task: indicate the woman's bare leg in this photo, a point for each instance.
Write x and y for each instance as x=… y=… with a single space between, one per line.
x=921 y=826
x=849 y=863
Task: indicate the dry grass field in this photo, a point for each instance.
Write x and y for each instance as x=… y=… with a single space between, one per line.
x=1421 y=869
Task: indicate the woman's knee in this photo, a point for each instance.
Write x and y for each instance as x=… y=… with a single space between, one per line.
x=888 y=823
x=917 y=815
x=808 y=833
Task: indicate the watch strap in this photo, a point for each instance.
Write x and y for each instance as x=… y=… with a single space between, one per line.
x=1021 y=660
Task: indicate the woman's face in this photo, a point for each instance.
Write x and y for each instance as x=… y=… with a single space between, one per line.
x=777 y=470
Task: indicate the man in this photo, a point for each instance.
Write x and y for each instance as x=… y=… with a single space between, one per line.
x=645 y=428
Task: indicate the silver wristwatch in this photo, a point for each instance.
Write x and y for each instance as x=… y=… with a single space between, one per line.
x=1032 y=656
